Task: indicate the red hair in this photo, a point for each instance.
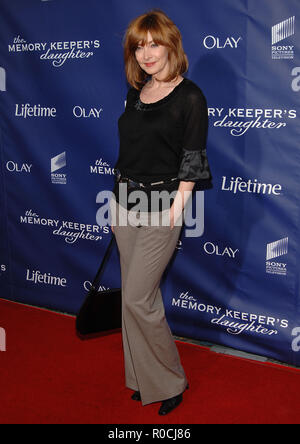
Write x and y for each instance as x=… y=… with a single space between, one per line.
x=164 y=32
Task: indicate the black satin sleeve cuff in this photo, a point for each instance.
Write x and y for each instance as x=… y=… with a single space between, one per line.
x=194 y=167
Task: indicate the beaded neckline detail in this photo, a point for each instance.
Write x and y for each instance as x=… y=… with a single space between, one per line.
x=140 y=106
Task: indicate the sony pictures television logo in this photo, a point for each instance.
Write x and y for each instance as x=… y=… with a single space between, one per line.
x=274 y=250
x=281 y=32
x=58 y=163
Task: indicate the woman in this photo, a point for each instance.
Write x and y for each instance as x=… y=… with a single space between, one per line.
x=162 y=148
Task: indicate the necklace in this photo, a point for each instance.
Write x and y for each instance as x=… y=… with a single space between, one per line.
x=141 y=106
x=168 y=85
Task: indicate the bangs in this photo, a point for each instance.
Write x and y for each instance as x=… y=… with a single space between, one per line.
x=139 y=33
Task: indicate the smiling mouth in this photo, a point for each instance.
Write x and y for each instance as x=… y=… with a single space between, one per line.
x=149 y=64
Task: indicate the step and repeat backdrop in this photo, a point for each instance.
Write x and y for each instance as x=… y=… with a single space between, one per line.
x=62 y=90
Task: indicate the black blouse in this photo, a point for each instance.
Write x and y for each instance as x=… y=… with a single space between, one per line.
x=163 y=140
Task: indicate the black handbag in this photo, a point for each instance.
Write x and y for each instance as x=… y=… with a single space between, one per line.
x=101 y=310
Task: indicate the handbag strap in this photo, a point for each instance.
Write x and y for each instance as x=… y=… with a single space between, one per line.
x=96 y=281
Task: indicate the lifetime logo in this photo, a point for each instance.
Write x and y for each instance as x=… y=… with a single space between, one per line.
x=250 y=186
x=2 y=340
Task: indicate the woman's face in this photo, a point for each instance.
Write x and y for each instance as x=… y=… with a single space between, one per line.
x=153 y=58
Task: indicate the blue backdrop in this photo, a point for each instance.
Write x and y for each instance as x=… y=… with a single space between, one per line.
x=62 y=89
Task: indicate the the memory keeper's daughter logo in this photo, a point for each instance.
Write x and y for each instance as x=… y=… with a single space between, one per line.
x=233 y=321
x=56 y=52
x=240 y=120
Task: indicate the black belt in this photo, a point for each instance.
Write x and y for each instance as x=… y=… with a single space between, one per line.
x=132 y=183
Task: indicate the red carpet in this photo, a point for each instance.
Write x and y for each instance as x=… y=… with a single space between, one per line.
x=50 y=376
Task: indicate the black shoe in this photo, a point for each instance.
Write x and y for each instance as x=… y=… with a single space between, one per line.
x=169 y=404
x=136 y=396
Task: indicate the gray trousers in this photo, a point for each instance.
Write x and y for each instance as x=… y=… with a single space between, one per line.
x=152 y=362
